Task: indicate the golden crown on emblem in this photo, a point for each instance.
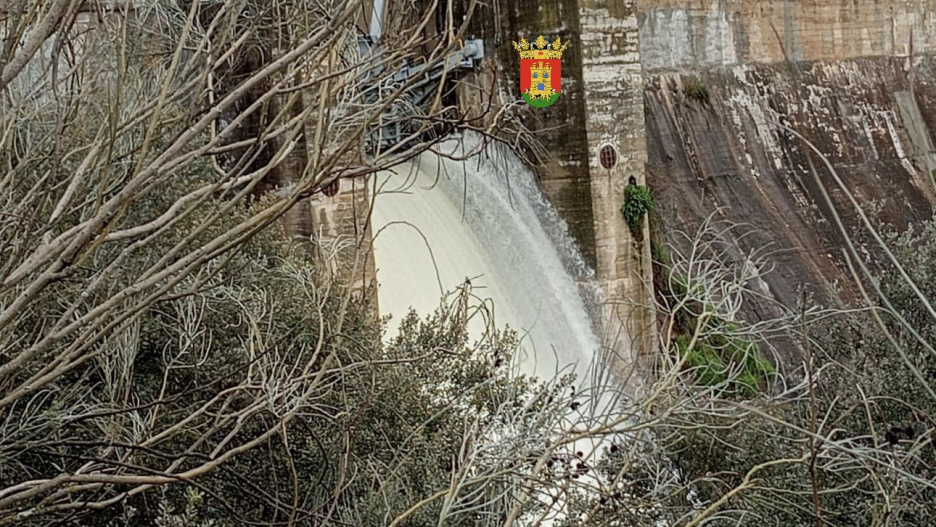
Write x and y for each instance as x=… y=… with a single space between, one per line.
x=540 y=49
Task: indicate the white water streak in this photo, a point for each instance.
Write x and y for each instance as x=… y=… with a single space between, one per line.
x=500 y=233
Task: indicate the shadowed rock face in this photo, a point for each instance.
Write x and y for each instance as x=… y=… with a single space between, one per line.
x=873 y=117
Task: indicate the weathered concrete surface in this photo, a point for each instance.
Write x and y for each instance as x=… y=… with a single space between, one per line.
x=340 y=228
x=870 y=116
x=679 y=34
x=856 y=77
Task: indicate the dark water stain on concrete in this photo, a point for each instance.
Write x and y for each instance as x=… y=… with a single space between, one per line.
x=730 y=155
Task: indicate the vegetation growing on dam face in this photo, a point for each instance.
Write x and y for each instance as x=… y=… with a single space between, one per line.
x=638 y=201
x=696 y=91
x=713 y=360
x=714 y=351
x=170 y=357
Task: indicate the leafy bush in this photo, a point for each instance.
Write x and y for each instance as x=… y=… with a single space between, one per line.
x=724 y=356
x=723 y=353
x=637 y=203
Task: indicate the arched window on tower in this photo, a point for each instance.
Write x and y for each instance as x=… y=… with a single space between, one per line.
x=332 y=188
x=607 y=156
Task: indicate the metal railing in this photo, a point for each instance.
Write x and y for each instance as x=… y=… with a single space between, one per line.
x=421 y=82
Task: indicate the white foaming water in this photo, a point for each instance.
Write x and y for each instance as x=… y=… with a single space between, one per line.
x=438 y=222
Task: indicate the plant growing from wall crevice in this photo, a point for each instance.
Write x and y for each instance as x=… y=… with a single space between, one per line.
x=694 y=90
x=725 y=357
x=638 y=201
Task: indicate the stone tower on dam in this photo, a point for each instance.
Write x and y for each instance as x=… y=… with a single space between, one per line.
x=594 y=139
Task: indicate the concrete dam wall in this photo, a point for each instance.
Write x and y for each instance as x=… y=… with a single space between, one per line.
x=854 y=78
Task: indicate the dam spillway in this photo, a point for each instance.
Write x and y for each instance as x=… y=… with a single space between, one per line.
x=438 y=222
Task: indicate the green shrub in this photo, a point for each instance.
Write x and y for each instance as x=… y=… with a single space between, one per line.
x=720 y=356
x=660 y=254
x=637 y=203
x=706 y=364
x=696 y=91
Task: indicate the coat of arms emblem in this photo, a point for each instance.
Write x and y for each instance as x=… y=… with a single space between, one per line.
x=540 y=72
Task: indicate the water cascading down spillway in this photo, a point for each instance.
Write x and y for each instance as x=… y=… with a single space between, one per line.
x=438 y=222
